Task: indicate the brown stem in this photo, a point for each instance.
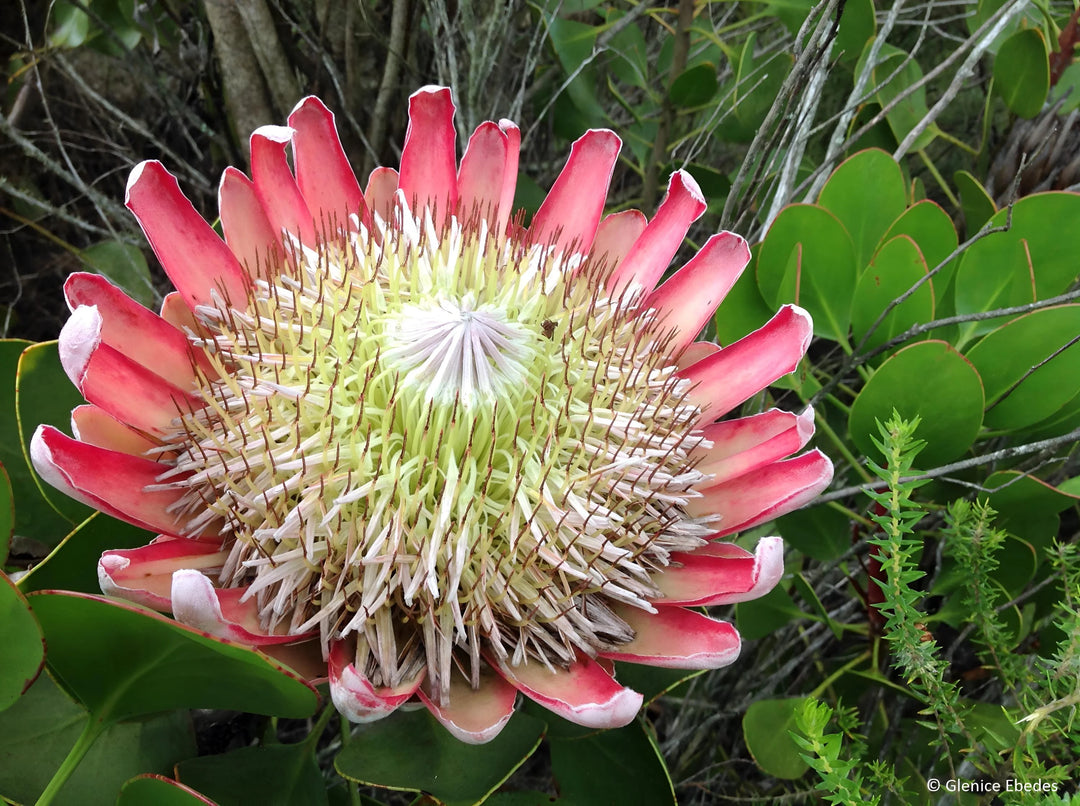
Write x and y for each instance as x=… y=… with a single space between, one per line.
x=667 y=114
x=399 y=19
x=245 y=93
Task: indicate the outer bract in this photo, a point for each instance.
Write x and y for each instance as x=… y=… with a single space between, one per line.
x=447 y=456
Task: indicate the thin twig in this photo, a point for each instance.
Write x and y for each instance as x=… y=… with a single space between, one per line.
x=964 y=464
x=399 y=16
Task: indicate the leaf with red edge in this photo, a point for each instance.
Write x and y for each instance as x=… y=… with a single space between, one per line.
x=157 y=790
x=930 y=380
x=39 y=730
x=22 y=649
x=120 y=660
x=866 y=209
x=808 y=258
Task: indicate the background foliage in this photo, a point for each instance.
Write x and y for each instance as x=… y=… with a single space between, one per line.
x=907 y=172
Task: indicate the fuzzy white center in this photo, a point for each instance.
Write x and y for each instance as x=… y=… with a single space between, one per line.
x=458 y=349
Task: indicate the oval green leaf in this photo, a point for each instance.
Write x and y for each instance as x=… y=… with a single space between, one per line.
x=766 y=727
x=1032 y=260
x=37 y=518
x=807 y=258
x=865 y=208
x=7 y=514
x=44 y=394
x=612 y=766
x=820 y=532
x=743 y=310
x=22 y=648
x=1028 y=366
x=280 y=773
x=895 y=269
x=932 y=229
x=125 y=265
x=157 y=790
x=975 y=202
x=409 y=750
x=1028 y=507
x=857 y=25
x=121 y=661
x=766 y=614
x=930 y=380
x=695 y=86
x=1022 y=72
x=894 y=73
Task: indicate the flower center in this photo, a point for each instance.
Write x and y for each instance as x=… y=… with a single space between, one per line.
x=441 y=443
x=450 y=350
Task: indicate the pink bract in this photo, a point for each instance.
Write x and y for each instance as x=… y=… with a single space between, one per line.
x=154 y=384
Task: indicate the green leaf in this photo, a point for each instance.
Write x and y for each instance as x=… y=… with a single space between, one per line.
x=809 y=595
x=1030 y=261
x=72 y=25
x=1016 y=395
x=276 y=774
x=43 y=394
x=157 y=790
x=766 y=727
x=126 y=266
x=714 y=184
x=1022 y=72
x=574 y=43
x=791 y=13
x=766 y=614
x=37 y=518
x=901 y=71
x=820 y=532
x=120 y=660
x=807 y=258
x=72 y=565
x=866 y=209
x=743 y=310
x=1028 y=507
x=857 y=26
x=524 y=798
x=652 y=682
x=932 y=229
x=985 y=9
x=22 y=648
x=7 y=514
x=630 y=62
x=39 y=730
x=1066 y=419
x=752 y=91
x=694 y=86
x=1017 y=564
x=1067 y=90
x=930 y=380
x=410 y=750
x=992 y=724
x=896 y=268
x=612 y=766
x=975 y=202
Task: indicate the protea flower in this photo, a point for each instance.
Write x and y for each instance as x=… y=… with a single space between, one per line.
x=457 y=458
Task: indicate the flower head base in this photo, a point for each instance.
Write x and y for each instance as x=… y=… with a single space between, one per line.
x=462 y=458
